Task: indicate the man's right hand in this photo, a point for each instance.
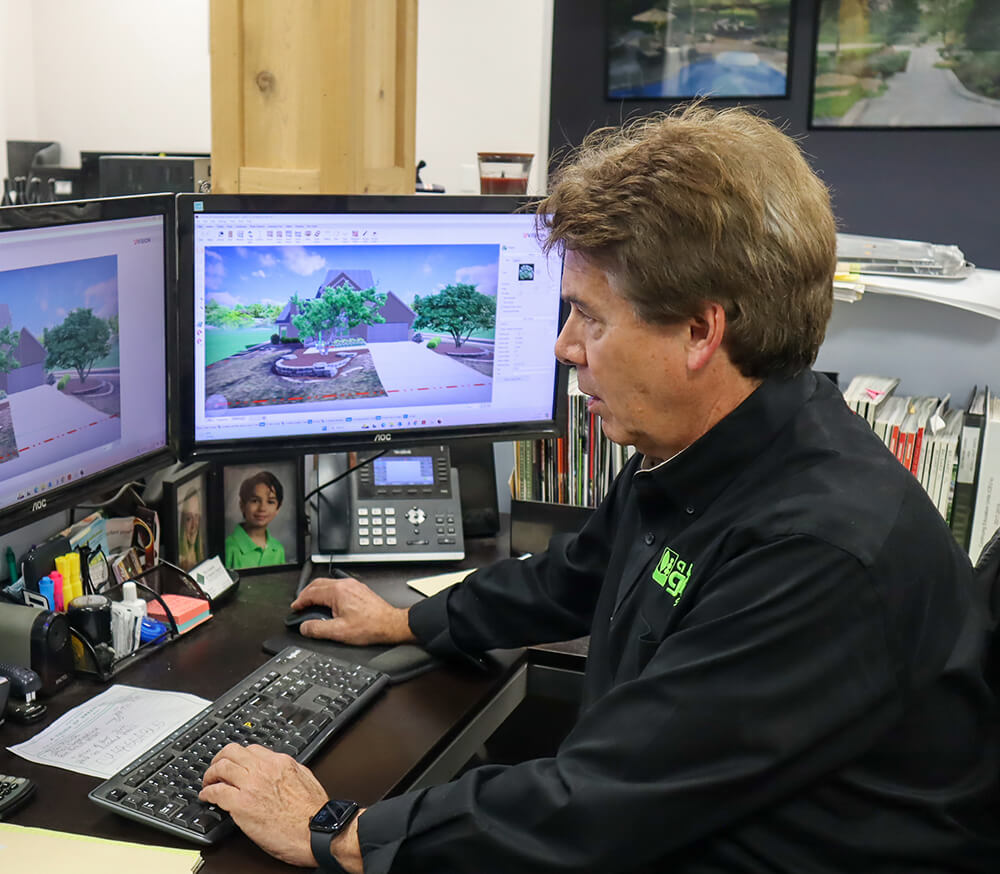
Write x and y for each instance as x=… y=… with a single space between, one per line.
x=360 y=616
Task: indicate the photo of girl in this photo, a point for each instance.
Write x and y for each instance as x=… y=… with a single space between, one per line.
x=191 y=528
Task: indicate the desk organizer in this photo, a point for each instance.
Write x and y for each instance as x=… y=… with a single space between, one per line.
x=98 y=661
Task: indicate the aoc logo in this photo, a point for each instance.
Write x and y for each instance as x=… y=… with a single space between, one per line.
x=383 y=438
x=672 y=573
x=40 y=504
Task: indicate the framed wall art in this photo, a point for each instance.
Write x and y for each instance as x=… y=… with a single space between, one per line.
x=675 y=49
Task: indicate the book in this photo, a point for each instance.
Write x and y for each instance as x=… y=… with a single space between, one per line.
x=986 y=510
x=891 y=411
x=867 y=393
x=967 y=478
x=944 y=461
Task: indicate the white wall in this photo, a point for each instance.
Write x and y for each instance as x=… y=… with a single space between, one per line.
x=482 y=85
x=134 y=75
x=18 y=107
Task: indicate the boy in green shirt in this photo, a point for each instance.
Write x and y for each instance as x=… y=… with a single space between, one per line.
x=250 y=545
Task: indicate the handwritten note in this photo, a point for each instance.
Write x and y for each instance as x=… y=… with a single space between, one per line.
x=101 y=736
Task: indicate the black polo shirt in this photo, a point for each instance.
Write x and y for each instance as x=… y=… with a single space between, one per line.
x=784 y=672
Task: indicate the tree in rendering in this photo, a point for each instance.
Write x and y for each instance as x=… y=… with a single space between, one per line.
x=457 y=309
x=335 y=312
x=9 y=339
x=78 y=342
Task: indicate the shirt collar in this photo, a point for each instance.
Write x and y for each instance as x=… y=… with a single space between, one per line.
x=245 y=542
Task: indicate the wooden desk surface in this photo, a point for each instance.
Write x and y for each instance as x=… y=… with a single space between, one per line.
x=378 y=755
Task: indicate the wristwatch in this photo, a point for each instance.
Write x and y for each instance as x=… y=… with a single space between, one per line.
x=329 y=820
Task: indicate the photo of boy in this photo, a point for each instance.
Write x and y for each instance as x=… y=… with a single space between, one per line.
x=251 y=544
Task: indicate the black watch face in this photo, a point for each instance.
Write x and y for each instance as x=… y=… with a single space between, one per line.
x=334 y=815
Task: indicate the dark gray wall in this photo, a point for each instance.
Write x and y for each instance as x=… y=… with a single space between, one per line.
x=941 y=186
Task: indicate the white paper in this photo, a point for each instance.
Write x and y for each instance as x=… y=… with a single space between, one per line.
x=104 y=734
x=212 y=577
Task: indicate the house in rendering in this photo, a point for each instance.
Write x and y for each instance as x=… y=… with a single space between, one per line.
x=398 y=316
x=30 y=355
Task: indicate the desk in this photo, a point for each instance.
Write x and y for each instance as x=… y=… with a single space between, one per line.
x=417 y=733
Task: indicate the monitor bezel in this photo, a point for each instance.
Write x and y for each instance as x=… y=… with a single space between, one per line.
x=70 y=212
x=190 y=205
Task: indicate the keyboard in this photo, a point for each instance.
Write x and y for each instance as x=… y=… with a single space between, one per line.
x=294 y=703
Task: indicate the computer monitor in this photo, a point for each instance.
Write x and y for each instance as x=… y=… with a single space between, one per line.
x=83 y=349
x=324 y=323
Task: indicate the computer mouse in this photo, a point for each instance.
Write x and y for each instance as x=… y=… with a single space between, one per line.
x=315 y=611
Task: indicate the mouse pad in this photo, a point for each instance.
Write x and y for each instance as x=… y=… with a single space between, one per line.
x=402 y=662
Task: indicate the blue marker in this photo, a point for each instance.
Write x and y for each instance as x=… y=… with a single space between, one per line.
x=46 y=588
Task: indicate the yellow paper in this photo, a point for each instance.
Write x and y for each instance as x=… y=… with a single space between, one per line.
x=36 y=849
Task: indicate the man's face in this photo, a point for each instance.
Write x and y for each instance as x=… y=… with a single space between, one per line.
x=634 y=372
x=261 y=507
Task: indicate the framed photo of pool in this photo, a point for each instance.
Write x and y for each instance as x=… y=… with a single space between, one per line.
x=675 y=49
x=906 y=64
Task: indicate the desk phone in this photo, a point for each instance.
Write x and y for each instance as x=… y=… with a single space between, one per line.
x=402 y=506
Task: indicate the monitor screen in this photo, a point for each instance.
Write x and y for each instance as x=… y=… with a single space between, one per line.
x=323 y=323
x=83 y=349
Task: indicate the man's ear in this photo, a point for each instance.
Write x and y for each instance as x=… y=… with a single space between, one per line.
x=706 y=333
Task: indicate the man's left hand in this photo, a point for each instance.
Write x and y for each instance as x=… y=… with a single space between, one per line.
x=270 y=796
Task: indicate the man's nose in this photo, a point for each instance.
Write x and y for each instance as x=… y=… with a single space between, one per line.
x=567 y=349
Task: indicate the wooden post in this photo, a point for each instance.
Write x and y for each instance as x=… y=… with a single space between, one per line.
x=313 y=96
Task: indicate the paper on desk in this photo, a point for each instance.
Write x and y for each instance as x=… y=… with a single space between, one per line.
x=37 y=849
x=104 y=734
x=432 y=585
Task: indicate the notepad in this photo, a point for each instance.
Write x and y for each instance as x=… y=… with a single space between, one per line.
x=187 y=611
x=33 y=849
x=432 y=585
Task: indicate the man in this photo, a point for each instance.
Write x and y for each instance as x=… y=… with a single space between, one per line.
x=785 y=643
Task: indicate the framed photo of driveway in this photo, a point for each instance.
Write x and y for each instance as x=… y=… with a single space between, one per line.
x=906 y=64
x=673 y=49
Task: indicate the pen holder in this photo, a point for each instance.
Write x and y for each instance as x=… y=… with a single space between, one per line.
x=99 y=659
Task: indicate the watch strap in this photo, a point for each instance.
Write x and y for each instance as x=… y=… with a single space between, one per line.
x=320 y=844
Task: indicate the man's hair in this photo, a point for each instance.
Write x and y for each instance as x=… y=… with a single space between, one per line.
x=264 y=478
x=705 y=206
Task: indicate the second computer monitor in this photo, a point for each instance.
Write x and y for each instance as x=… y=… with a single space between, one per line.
x=322 y=323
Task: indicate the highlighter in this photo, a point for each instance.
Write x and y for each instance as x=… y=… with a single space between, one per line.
x=47 y=590
x=76 y=580
x=58 y=601
x=61 y=567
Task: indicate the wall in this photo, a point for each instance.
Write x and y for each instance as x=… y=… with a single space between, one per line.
x=18 y=113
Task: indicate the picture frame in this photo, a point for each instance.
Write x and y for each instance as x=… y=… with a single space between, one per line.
x=184 y=513
x=681 y=49
x=265 y=532
x=904 y=66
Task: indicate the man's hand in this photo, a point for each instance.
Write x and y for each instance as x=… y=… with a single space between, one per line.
x=270 y=796
x=360 y=616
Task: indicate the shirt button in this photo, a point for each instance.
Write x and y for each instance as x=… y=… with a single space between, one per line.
x=649 y=538
x=689 y=510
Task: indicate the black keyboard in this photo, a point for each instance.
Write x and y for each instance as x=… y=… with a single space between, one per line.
x=292 y=704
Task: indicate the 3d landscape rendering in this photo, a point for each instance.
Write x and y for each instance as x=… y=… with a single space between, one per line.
x=307 y=325
x=59 y=363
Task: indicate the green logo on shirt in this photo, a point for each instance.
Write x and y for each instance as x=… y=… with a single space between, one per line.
x=672 y=573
